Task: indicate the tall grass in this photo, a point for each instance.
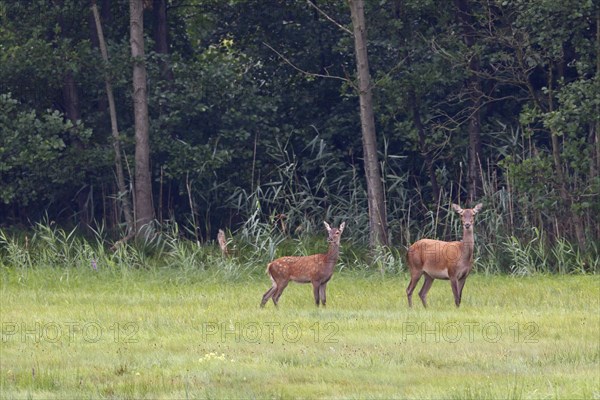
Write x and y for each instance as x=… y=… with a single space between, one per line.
x=285 y=215
x=291 y=206
x=258 y=242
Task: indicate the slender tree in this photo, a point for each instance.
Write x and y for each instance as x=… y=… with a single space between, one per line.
x=160 y=33
x=474 y=93
x=123 y=193
x=376 y=198
x=72 y=107
x=596 y=140
x=144 y=210
x=414 y=100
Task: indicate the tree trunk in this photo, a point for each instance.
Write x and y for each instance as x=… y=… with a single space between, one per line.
x=572 y=216
x=595 y=135
x=558 y=168
x=144 y=210
x=160 y=33
x=71 y=104
x=377 y=211
x=123 y=194
x=105 y=15
x=412 y=99
x=71 y=97
x=596 y=140
x=72 y=112
x=473 y=86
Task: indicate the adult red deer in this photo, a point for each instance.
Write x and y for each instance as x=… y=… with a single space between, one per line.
x=443 y=260
x=316 y=269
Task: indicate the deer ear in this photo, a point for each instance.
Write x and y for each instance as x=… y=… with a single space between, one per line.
x=342 y=226
x=477 y=208
x=457 y=208
x=327 y=226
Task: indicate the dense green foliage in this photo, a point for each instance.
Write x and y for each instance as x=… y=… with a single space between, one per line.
x=257 y=118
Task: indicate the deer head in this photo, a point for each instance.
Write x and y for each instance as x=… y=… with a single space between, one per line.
x=467 y=216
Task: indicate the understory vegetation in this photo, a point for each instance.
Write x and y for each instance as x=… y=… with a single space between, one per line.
x=505 y=242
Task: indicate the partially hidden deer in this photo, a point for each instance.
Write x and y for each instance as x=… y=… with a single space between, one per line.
x=437 y=259
x=316 y=269
x=223 y=243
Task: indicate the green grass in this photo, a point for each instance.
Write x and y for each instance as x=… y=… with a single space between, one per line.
x=170 y=333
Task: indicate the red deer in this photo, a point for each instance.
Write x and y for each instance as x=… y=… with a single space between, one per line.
x=443 y=260
x=222 y=243
x=316 y=269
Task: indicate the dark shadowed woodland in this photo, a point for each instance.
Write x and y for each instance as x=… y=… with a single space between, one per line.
x=160 y=122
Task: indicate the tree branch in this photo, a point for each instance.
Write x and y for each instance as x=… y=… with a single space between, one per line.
x=307 y=73
x=342 y=27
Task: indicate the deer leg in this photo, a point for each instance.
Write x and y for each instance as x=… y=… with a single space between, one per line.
x=268 y=294
x=426 y=286
x=316 y=286
x=461 y=285
x=455 y=290
x=414 y=279
x=277 y=295
x=322 y=293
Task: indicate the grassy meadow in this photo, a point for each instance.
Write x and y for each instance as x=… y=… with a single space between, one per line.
x=165 y=333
